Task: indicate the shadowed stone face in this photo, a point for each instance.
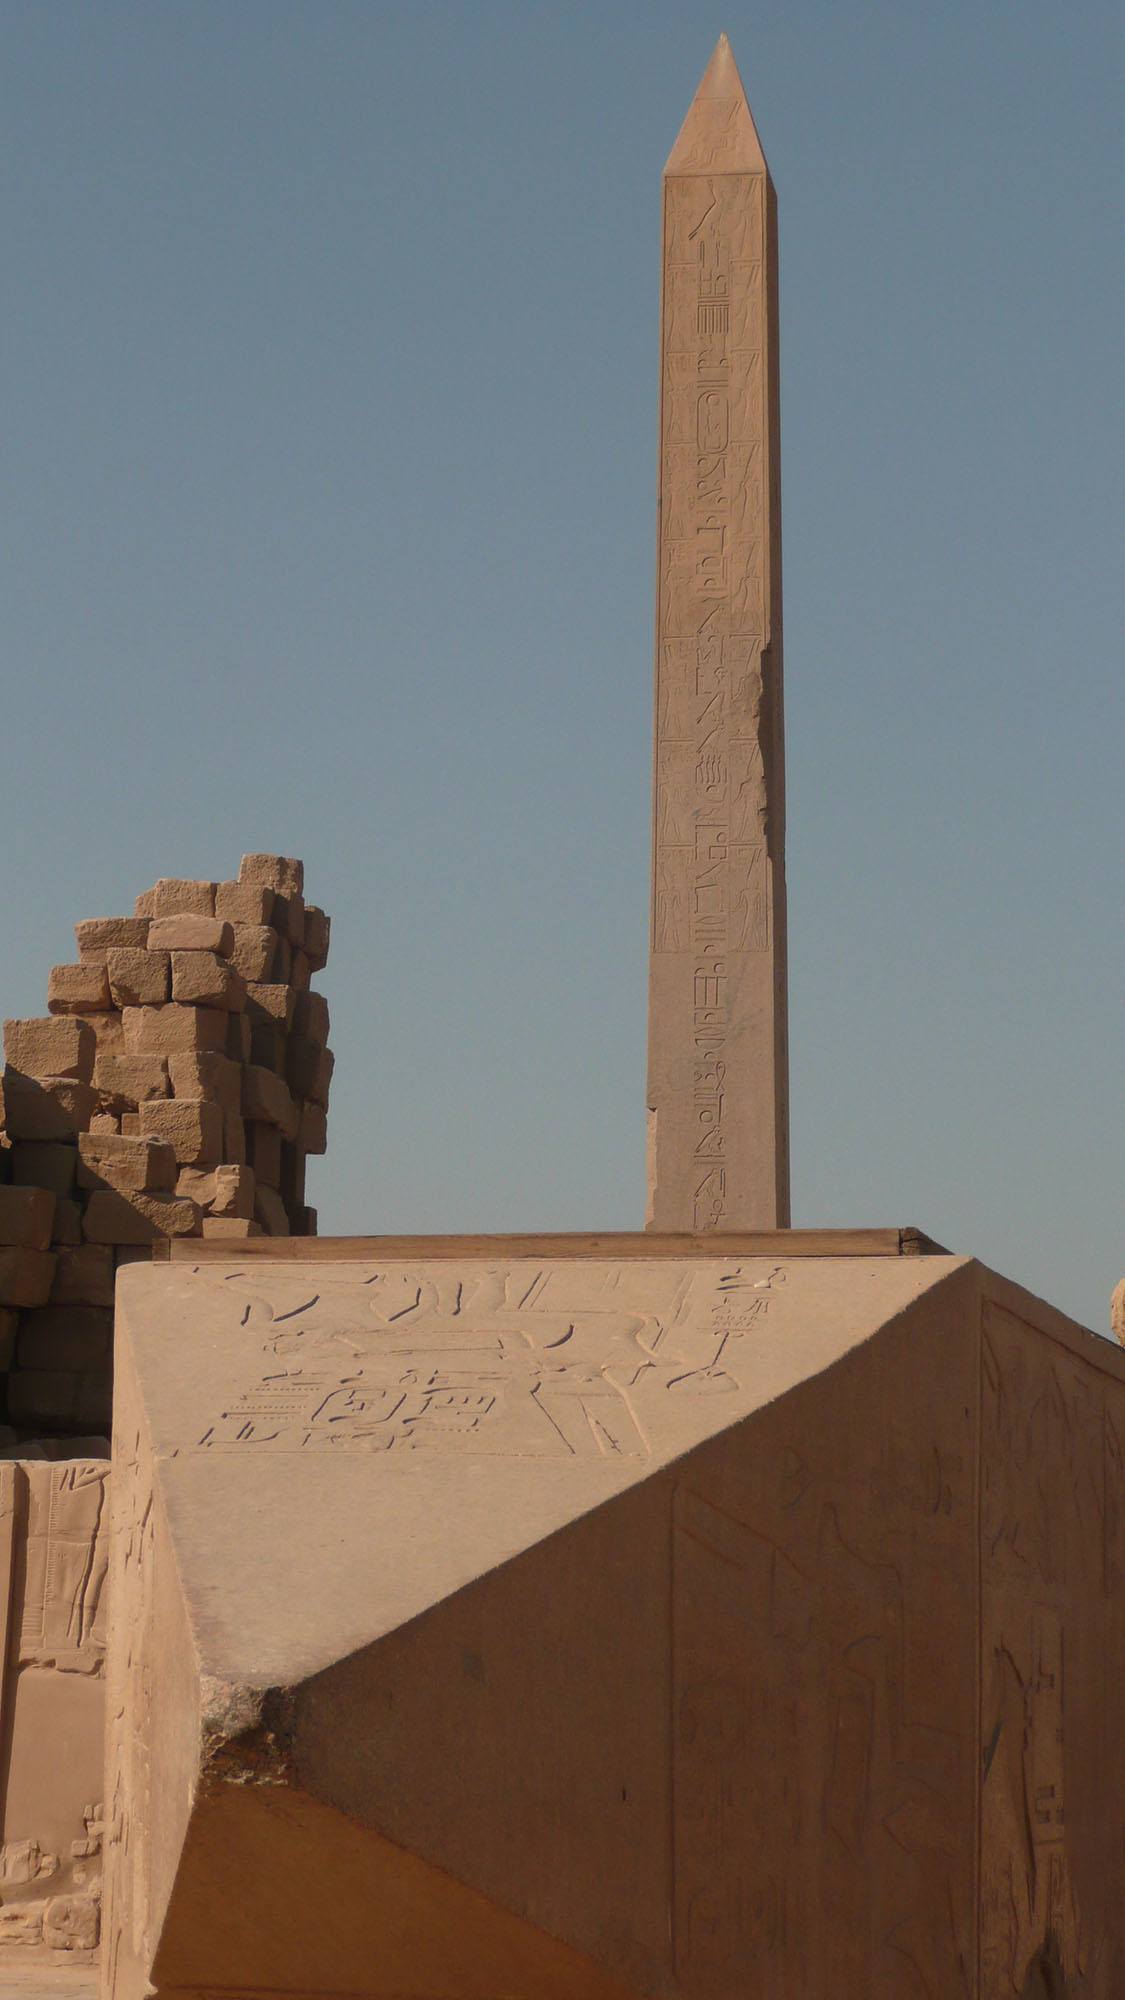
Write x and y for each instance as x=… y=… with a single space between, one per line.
x=718 y=1081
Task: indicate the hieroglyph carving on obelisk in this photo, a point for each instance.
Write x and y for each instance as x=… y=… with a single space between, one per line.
x=718 y=1068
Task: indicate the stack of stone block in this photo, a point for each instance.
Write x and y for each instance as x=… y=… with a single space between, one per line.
x=175 y=1088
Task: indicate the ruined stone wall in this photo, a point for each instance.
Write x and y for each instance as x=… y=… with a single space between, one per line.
x=175 y=1087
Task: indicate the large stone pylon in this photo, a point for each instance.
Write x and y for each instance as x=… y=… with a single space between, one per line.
x=718 y=1089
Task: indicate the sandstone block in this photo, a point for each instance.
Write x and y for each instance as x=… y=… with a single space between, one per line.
x=192 y=1127
x=77 y=989
x=145 y=904
x=122 y=1082
x=9 y=1322
x=53 y=1107
x=25 y=1275
x=56 y=1400
x=303 y=1223
x=97 y=936
x=221 y=1190
x=282 y=963
x=203 y=979
x=263 y=1151
x=59 y=1045
x=269 y=1210
x=233 y=1226
x=289 y=918
x=309 y=1070
x=109 y=1037
x=253 y=950
x=131 y=1123
x=291 y=1186
x=68 y=1224
x=243 y=902
x=237 y=1044
x=269 y=1046
x=207 y=1075
x=56 y=1337
x=312 y=1135
x=174 y=897
x=44 y=1164
x=234 y=1136
x=274 y=871
x=144 y=1163
x=104 y=1122
x=83 y=1275
x=310 y=1017
x=317 y=931
x=131 y=1253
x=266 y=1099
x=139 y=978
x=188 y=933
x=300 y=971
x=26 y=1217
x=173 y=1030
x=266 y=1001
x=114 y=1217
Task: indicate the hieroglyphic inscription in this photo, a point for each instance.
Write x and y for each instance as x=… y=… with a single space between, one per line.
x=1051 y=1490
x=714 y=1045
x=521 y=1361
x=56 y=1535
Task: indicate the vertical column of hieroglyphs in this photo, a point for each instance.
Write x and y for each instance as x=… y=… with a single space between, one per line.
x=718 y=1084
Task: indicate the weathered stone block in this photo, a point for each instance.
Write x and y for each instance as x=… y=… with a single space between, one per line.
x=234 y=1136
x=266 y=1099
x=221 y=1190
x=97 y=936
x=316 y=938
x=67 y=1337
x=289 y=918
x=192 y=1127
x=77 y=989
x=269 y=1046
x=263 y=1151
x=68 y=1223
x=131 y=1164
x=300 y=972
x=312 y=1134
x=173 y=897
x=254 y=950
x=270 y=1211
x=44 y=1164
x=138 y=978
x=113 y=1217
x=191 y=933
x=104 y=1122
x=203 y=979
x=243 y=902
x=237 y=1045
x=52 y=1107
x=173 y=1030
x=145 y=904
x=25 y=1276
x=310 y=1017
x=266 y=1001
x=309 y=1070
x=208 y=1075
x=274 y=871
x=235 y=1227
x=109 y=1036
x=59 y=1045
x=122 y=1082
x=54 y=1400
x=83 y=1275
x=26 y=1216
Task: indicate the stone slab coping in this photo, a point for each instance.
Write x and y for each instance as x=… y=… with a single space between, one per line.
x=905 y=1241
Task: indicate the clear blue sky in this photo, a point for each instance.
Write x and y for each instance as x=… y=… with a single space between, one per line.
x=330 y=369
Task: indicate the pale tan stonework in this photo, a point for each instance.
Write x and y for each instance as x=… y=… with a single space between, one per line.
x=718 y=1065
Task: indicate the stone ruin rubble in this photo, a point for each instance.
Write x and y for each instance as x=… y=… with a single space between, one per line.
x=176 y=1087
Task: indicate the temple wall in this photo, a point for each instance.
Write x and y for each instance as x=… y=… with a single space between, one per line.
x=175 y=1087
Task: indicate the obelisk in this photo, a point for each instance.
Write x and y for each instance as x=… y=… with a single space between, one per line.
x=718 y=1086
